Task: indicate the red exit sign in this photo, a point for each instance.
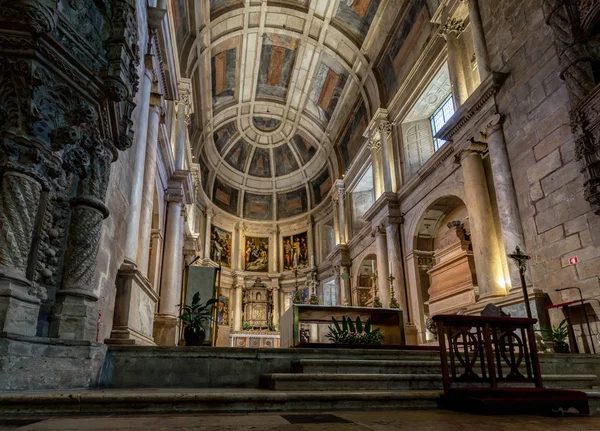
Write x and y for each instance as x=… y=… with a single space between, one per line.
x=573 y=260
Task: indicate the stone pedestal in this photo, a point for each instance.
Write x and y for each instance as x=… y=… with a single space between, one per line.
x=165 y=330
x=411 y=333
x=134 y=308
x=18 y=309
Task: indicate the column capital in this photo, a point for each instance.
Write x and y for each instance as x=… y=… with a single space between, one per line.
x=378 y=230
x=340 y=190
x=494 y=124
x=374 y=144
x=453 y=27
x=385 y=128
x=174 y=197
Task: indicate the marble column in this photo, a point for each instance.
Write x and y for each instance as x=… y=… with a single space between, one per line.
x=181 y=133
x=273 y=249
x=481 y=51
x=143 y=251
x=385 y=129
x=207 y=233
x=451 y=31
x=506 y=196
x=486 y=253
x=310 y=223
x=165 y=323
x=375 y=147
x=275 y=285
x=395 y=265
x=345 y=294
x=336 y=221
x=383 y=270
x=155 y=258
x=132 y=221
x=341 y=195
x=239 y=293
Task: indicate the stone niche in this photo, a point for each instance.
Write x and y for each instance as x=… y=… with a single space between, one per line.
x=453 y=281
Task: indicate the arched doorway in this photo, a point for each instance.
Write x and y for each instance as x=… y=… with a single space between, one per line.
x=443 y=259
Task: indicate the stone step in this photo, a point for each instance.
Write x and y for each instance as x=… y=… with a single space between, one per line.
x=569 y=381
x=209 y=400
x=351 y=382
x=360 y=366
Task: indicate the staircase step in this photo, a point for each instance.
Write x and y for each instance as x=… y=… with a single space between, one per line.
x=351 y=382
x=360 y=366
x=184 y=400
x=569 y=381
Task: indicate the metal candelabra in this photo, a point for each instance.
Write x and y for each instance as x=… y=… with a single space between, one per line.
x=376 y=301
x=393 y=301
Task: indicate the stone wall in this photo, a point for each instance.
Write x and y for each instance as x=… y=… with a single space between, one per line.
x=558 y=222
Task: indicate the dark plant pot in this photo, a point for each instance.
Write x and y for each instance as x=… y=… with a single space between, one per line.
x=194 y=336
x=561 y=348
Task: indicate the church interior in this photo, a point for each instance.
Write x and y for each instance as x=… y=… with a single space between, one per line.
x=196 y=194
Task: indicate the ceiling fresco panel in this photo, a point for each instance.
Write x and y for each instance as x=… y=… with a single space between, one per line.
x=356 y=16
x=258 y=207
x=285 y=163
x=304 y=148
x=276 y=64
x=224 y=69
x=238 y=155
x=223 y=135
x=353 y=139
x=320 y=186
x=261 y=163
x=291 y=203
x=226 y=197
x=266 y=124
x=408 y=39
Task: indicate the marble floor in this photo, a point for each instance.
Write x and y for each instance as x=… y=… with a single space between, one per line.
x=438 y=420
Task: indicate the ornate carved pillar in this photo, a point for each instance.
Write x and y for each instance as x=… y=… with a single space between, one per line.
x=383 y=270
x=385 y=130
x=275 y=293
x=145 y=229
x=396 y=268
x=207 y=234
x=506 y=196
x=132 y=221
x=274 y=249
x=336 y=221
x=184 y=110
x=165 y=322
x=310 y=223
x=239 y=295
x=481 y=51
x=156 y=249
x=375 y=147
x=340 y=192
x=75 y=315
x=488 y=265
x=451 y=31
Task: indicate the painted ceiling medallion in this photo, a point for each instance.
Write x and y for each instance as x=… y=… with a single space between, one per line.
x=266 y=124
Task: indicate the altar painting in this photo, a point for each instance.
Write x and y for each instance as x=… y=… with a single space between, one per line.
x=257 y=254
x=223 y=310
x=295 y=251
x=220 y=250
x=288 y=297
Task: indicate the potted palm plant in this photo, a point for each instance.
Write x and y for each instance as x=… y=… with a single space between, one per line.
x=557 y=335
x=194 y=317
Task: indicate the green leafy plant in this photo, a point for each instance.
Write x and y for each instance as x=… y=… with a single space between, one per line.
x=273 y=328
x=556 y=334
x=354 y=332
x=246 y=326
x=197 y=314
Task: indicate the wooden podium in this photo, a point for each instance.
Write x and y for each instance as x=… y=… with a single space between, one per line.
x=389 y=320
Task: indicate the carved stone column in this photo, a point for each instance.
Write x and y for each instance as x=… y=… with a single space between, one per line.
x=392 y=229
x=385 y=130
x=451 y=32
x=143 y=254
x=165 y=322
x=239 y=295
x=156 y=248
x=207 y=234
x=310 y=224
x=340 y=191
x=506 y=196
x=183 y=117
x=375 y=147
x=488 y=265
x=75 y=315
x=273 y=249
x=336 y=221
x=137 y=181
x=383 y=270
x=481 y=51
x=275 y=286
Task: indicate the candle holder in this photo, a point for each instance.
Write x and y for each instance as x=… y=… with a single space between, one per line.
x=376 y=301
x=393 y=301
x=314 y=298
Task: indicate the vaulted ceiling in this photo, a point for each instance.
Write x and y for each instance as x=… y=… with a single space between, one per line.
x=283 y=92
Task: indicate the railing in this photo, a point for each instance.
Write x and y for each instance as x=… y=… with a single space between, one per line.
x=483 y=351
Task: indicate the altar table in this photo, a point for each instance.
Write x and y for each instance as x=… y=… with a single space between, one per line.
x=389 y=320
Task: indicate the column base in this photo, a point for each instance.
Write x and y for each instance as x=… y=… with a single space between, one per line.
x=18 y=309
x=75 y=316
x=411 y=334
x=133 y=321
x=166 y=331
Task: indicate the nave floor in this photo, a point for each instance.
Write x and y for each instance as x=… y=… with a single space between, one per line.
x=409 y=420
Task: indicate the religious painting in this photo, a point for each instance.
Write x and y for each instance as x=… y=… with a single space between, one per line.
x=408 y=40
x=295 y=251
x=178 y=9
x=224 y=71
x=303 y=147
x=266 y=124
x=356 y=16
x=353 y=139
x=256 y=254
x=261 y=163
x=285 y=162
x=258 y=207
x=328 y=85
x=276 y=64
x=223 y=135
x=220 y=251
x=223 y=310
x=225 y=197
x=292 y=203
x=320 y=186
x=238 y=155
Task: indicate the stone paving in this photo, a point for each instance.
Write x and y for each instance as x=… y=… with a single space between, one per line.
x=438 y=420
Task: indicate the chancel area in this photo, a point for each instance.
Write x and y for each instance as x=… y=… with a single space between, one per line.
x=256 y=193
